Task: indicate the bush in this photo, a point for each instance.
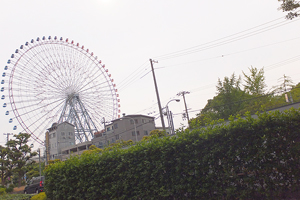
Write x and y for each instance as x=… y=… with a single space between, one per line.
x=10 y=188
x=40 y=196
x=246 y=159
x=16 y=197
x=2 y=191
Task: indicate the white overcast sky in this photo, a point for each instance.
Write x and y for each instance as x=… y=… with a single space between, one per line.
x=125 y=34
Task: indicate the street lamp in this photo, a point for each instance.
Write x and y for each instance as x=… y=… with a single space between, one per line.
x=169 y=116
x=39 y=151
x=136 y=139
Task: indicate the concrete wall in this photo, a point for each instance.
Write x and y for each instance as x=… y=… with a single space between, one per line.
x=60 y=136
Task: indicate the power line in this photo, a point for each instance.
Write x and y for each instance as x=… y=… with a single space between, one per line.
x=133 y=76
x=225 y=40
x=215 y=43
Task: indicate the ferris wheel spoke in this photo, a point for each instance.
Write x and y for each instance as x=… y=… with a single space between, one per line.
x=54 y=65
x=29 y=77
x=36 y=107
x=93 y=86
x=47 y=121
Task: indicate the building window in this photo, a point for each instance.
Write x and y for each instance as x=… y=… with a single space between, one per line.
x=133 y=133
x=115 y=126
x=53 y=135
x=117 y=137
x=136 y=121
x=143 y=121
x=113 y=140
x=145 y=132
x=62 y=133
x=131 y=121
x=100 y=144
x=70 y=133
x=108 y=129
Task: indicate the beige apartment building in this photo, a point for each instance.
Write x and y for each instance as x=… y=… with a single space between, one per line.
x=128 y=127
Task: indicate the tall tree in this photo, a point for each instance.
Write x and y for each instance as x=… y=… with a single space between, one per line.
x=255 y=82
x=229 y=96
x=290 y=6
x=229 y=101
x=19 y=154
x=285 y=85
x=5 y=165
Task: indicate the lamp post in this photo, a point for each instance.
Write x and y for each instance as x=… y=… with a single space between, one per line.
x=136 y=139
x=7 y=134
x=104 y=124
x=169 y=116
x=39 y=150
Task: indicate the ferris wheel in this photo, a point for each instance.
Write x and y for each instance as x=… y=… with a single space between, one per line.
x=52 y=80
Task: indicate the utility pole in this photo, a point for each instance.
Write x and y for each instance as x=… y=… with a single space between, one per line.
x=7 y=134
x=157 y=95
x=183 y=93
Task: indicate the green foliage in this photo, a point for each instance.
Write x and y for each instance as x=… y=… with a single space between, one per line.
x=157 y=132
x=19 y=154
x=34 y=170
x=247 y=159
x=231 y=100
x=93 y=149
x=290 y=6
x=50 y=162
x=255 y=82
x=14 y=158
x=40 y=196
x=5 y=165
x=16 y=196
x=10 y=188
x=154 y=134
x=2 y=191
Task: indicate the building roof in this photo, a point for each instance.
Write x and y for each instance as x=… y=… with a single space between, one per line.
x=132 y=116
x=54 y=125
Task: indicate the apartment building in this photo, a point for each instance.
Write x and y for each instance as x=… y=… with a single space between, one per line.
x=128 y=127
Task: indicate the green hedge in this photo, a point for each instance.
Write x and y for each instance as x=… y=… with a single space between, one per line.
x=247 y=159
x=16 y=197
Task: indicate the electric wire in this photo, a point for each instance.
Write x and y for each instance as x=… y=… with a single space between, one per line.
x=221 y=41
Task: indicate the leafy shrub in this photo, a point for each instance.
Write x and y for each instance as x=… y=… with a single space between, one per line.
x=16 y=197
x=246 y=159
x=2 y=191
x=40 y=196
x=10 y=188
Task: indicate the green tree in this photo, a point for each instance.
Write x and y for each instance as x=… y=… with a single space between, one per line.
x=229 y=101
x=34 y=169
x=289 y=6
x=92 y=149
x=229 y=98
x=19 y=154
x=285 y=85
x=5 y=165
x=255 y=82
